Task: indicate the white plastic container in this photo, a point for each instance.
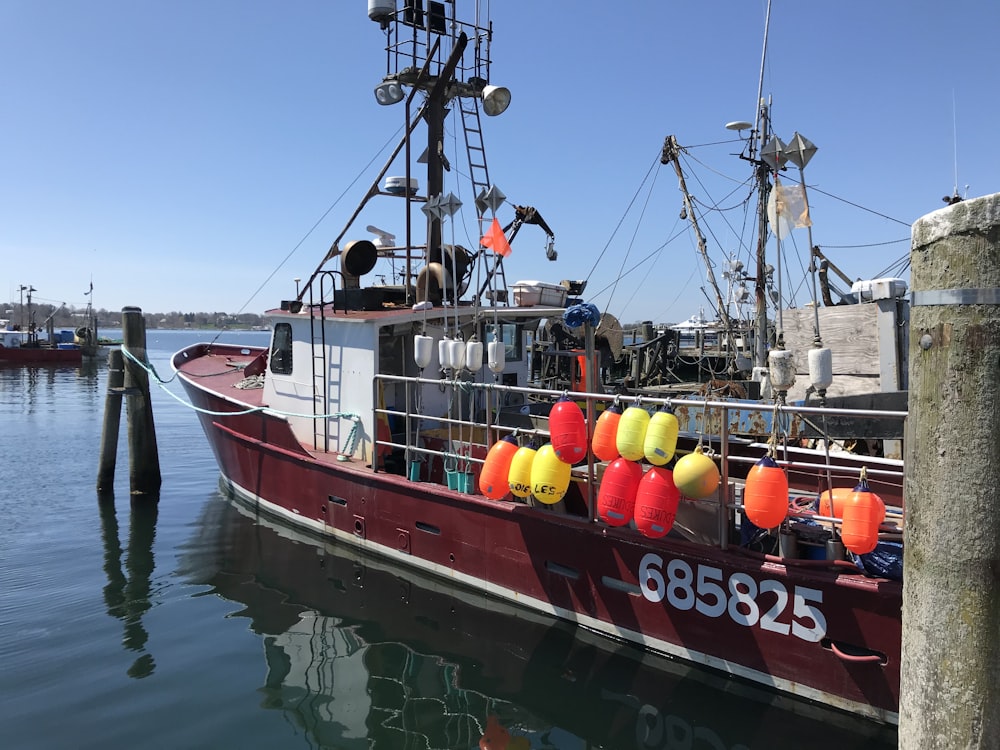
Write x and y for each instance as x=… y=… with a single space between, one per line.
x=532 y=293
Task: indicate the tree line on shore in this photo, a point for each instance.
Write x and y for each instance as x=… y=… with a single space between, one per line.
x=67 y=316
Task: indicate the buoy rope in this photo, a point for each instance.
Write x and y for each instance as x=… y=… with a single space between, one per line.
x=772 y=442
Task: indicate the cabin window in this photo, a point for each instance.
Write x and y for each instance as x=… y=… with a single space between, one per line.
x=510 y=335
x=281 y=349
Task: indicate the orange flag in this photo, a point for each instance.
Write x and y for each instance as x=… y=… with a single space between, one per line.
x=496 y=239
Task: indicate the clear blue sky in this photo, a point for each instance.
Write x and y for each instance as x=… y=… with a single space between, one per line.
x=178 y=152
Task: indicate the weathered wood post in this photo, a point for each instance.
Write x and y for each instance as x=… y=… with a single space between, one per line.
x=950 y=689
x=112 y=422
x=143 y=460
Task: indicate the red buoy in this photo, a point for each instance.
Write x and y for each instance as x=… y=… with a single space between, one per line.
x=616 y=498
x=568 y=431
x=656 y=502
x=765 y=496
x=604 y=444
x=863 y=514
x=493 y=477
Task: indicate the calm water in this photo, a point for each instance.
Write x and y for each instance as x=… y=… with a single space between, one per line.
x=190 y=625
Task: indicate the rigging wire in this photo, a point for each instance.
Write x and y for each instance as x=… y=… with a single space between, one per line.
x=621 y=221
x=856 y=205
x=631 y=244
x=746 y=204
x=642 y=262
x=869 y=244
x=320 y=220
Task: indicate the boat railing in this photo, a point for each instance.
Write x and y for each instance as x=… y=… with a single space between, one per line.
x=467 y=439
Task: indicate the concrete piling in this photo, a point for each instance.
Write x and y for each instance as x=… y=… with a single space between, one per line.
x=951 y=590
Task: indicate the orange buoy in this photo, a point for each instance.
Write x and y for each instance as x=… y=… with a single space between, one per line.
x=549 y=476
x=696 y=475
x=656 y=502
x=568 y=431
x=660 y=441
x=765 y=496
x=632 y=433
x=604 y=444
x=831 y=502
x=493 y=479
x=863 y=513
x=616 y=498
x=519 y=475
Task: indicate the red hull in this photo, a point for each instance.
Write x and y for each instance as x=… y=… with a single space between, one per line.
x=39 y=356
x=790 y=626
x=605 y=697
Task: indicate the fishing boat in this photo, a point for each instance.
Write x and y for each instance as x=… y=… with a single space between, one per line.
x=21 y=344
x=22 y=348
x=377 y=418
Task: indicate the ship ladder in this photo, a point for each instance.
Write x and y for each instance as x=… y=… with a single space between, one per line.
x=320 y=366
x=472 y=127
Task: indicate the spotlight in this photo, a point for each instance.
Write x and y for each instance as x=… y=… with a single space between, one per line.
x=495 y=100
x=388 y=92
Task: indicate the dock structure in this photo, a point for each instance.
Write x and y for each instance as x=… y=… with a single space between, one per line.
x=951 y=590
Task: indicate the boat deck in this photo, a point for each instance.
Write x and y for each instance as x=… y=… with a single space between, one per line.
x=227 y=366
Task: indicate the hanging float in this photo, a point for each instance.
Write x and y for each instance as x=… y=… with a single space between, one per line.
x=632 y=433
x=656 y=501
x=568 y=431
x=549 y=476
x=493 y=479
x=616 y=498
x=696 y=475
x=863 y=514
x=496 y=356
x=831 y=502
x=473 y=355
x=660 y=440
x=519 y=476
x=444 y=353
x=765 y=496
x=604 y=444
x=423 y=349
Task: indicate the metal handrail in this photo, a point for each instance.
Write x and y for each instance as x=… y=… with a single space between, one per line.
x=727 y=504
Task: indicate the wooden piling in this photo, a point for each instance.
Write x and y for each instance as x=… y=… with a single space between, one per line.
x=112 y=422
x=144 y=461
x=951 y=590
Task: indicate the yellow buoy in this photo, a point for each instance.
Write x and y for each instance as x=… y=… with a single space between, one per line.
x=661 y=438
x=549 y=476
x=696 y=475
x=632 y=433
x=519 y=474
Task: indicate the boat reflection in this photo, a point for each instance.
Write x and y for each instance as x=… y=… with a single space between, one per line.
x=362 y=653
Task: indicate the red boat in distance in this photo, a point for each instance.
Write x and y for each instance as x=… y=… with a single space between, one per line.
x=15 y=349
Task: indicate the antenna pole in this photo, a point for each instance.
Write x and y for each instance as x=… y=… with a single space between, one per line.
x=760 y=284
x=671 y=154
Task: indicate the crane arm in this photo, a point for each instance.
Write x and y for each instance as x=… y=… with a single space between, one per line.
x=529 y=215
x=817 y=253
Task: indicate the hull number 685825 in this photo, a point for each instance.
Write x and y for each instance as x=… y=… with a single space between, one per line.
x=742 y=598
